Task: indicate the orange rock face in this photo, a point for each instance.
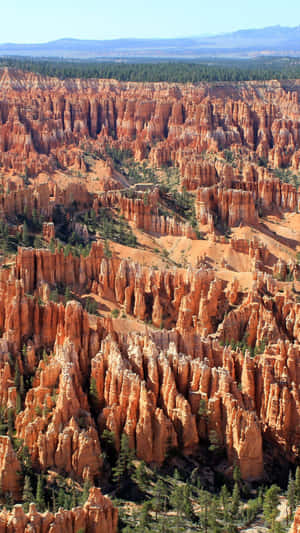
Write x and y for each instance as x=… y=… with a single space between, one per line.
x=97 y=516
x=151 y=387
x=296 y=524
x=179 y=356
x=9 y=468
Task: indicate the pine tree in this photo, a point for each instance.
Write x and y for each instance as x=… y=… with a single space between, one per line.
x=18 y=403
x=68 y=295
x=40 y=494
x=37 y=242
x=24 y=354
x=54 y=506
x=235 y=501
x=25 y=234
x=224 y=499
x=145 y=516
x=22 y=387
x=108 y=444
x=52 y=246
x=204 y=500
x=297 y=484
x=176 y=501
x=159 y=499
x=141 y=476
x=93 y=392
x=17 y=375
x=27 y=493
x=73 y=497
x=187 y=504
x=86 y=490
x=124 y=463
x=61 y=498
x=10 y=421
x=67 y=501
x=270 y=506
x=291 y=497
x=236 y=474
x=213 y=515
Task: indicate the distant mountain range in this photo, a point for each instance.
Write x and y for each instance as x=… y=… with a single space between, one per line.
x=273 y=40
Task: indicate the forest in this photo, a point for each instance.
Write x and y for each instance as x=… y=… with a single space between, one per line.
x=210 y=70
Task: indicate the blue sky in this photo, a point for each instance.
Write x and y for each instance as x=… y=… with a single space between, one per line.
x=43 y=20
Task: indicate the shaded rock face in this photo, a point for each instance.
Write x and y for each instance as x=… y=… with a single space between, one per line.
x=10 y=468
x=97 y=516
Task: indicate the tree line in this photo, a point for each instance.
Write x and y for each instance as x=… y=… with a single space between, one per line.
x=164 y=71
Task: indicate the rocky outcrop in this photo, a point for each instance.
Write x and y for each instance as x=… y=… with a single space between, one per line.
x=10 y=469
x=149 y=386
x=155 y=397
x=229 y=207
x=98 y=515
x=218 y=365
x=141 y=209
x=296 y=523
x=190 y=127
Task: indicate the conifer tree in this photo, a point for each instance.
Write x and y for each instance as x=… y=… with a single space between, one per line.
x=187 y=504
x=68 y=295
x=93 y=392
x=159 y=499
x=40 y=494
x=86 y=490
x=10 y=421
x=54 y=506
x=18 y=403
x=141 y=476
x=25 y=234
x=52 y=246
x=17 y=375
x=61 y=498
x=27 y=493
x=297 y=485
x=270 y=506
x=235 y=501
x=291 y=497
x=124 y=462
x=145 y=516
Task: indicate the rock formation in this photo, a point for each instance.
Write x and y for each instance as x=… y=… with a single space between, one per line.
x=97 y=516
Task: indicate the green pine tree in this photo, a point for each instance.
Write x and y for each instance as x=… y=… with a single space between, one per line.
x=297 y=485
x=93 y=392
x=61 y=498
x=52 y=246
x=291 y=497
x=124 y=464
x=25 y=234
x=270 y=506
x=40 y=494
x=17 y=375
x=10 y=422
x=235 y=501
x=86 y=490
x=27 y=493
x=68 y=294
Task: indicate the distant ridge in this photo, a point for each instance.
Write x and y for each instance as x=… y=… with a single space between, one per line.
x=273 y=40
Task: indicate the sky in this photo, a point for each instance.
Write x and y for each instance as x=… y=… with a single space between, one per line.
x=28 y=21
